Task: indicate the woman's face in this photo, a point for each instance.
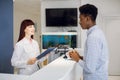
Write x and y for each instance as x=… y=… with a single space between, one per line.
x=30 y=30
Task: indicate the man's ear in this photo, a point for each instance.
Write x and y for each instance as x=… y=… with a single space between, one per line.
x=88 y=18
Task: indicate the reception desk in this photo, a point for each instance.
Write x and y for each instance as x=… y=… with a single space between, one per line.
x=12 y=77
x=59 y=69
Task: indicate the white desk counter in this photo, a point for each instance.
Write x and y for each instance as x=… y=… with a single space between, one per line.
x=59 y=69
x=12 y=77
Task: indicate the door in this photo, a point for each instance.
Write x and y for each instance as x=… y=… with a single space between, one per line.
x=112 y=26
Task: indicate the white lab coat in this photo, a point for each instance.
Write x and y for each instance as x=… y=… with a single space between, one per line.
x=23 y=51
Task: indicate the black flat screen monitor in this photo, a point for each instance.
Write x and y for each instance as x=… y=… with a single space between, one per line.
x=61 y=17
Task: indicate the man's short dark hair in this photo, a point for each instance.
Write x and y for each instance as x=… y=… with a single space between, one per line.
x=89 y=10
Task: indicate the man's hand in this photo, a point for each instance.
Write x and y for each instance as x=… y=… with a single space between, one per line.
x=74 y=55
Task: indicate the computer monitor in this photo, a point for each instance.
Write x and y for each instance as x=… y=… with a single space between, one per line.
x=55 y=40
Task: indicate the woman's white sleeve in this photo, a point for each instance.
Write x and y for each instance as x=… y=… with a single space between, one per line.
x=17 y=59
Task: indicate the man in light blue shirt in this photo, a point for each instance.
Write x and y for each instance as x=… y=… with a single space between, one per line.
x=95 y=60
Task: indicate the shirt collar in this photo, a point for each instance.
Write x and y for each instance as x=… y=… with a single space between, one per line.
x=26 y=40
x=91 y=29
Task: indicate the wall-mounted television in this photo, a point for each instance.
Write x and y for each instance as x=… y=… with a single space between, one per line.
x=61 y=17
x=55 y=40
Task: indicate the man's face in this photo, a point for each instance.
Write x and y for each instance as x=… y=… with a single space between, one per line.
x=83 y=21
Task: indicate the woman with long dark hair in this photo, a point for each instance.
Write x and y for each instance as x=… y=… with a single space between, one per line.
x=26 y=49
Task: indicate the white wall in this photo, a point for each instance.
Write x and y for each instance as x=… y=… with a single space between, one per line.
x=60 y=4
x=19 y=15
x=57 y=4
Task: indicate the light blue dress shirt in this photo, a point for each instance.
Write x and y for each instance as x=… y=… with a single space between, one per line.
x=95 y=61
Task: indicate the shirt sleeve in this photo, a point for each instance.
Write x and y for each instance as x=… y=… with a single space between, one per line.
x=91 y=56
x=37 y=49
x=16 y=59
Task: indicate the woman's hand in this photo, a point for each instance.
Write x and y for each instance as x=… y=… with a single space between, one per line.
x=31 y=61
